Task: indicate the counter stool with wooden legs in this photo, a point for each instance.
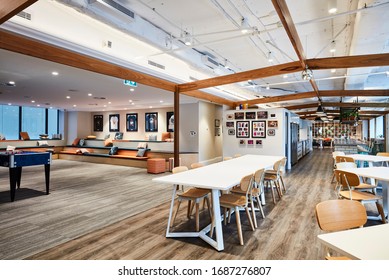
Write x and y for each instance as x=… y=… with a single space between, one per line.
x=192 y=195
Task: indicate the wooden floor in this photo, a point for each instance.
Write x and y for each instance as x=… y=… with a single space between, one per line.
x=289 y=230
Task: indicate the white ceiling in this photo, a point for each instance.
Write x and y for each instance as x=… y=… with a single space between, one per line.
x=156 y=34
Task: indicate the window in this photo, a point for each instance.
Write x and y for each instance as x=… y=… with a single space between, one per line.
x=372 y=128
x=34 y=121
x=52 y=122
x=379 y=127
x=9 y=121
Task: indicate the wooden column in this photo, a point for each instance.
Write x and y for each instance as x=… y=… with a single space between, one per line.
x=9 y=8
x=176 y=127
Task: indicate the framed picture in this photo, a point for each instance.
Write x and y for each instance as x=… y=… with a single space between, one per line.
x=239 y=116
x=230 y=117
x=217 y=123
x=231 y=131
x=170 y=121
x=98 y=123
x=273 y=115
x=242 y=129
x=151 y=122
x=271 y=132
x=230 y=124
x=132 y=122
x=258 y=129
x=262 y=115
x=114 y=122
x=217 y=131
x=250 y=115
x=272 y=124
x=242 y=142
x=250 y=142
x=258 y=142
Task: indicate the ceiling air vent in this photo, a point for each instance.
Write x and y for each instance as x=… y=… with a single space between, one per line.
x=193 y=78
x=209 y=61
x=114 y=6
x=24 y=15
x=152 y=63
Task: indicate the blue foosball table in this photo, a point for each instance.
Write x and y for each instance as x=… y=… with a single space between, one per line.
x=16 y=160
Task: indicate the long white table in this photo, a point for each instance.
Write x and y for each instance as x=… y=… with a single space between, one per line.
x=368 y=158
x=378 y=173
x=368 y=243
x=216 y=177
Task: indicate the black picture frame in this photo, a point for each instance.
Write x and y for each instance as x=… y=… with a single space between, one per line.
x=132 y=122
x=170 y=121
x=242 y=129
x=262 y=115
x=258 y=129
x=217 y=123
x=230 y=124
x=272 y=124
x=98 y=123
x=114 y=123
x=151 y=122
x=239 y=115
x=250 y=115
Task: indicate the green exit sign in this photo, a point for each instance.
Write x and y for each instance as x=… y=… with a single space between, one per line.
x=130 y=83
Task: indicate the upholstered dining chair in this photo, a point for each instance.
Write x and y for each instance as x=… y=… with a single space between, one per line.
x=341 y=214
x=255 y=193
x=348 y=182
x=192 y=195
x=234 y=201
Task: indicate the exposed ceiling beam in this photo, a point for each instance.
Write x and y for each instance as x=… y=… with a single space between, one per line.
x=354 y=61
x=281 y=98
x=302 y=106
x=339 y=104
x=290 y=28
x=27 y=46
x=9 y=8
x=337 y=112
x=354 y=93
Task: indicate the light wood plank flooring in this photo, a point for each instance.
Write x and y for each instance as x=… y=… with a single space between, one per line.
x=288 y=232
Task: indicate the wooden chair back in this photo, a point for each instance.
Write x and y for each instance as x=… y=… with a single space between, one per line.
x=196 y=165
x=246 y=183
x=344 y=159
x=341 y=214
x=277 y=166
x=179 y=169
x=347 y=179
x=382 y=154
x=227 y=158
x=335 y=154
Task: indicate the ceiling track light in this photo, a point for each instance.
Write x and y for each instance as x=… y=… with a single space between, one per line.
x=333 y=46
x=270 y=56
x=307 y=74
x=188 y=39
x=332 y=6
x=245 y=27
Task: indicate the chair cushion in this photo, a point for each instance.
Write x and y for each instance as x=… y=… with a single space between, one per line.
x=165 y=136
x=113 y=151
x=142 y=145
x=76 y=142
x=82 y=142
x=107 y=143
x=24 y=135
x=42 y=143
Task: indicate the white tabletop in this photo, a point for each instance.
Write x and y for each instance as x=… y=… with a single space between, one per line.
x=368 y=243
x=370 y=158
x=222 y=175
x=379 y=173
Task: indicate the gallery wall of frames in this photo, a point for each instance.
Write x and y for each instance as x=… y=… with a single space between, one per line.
x=258 y=131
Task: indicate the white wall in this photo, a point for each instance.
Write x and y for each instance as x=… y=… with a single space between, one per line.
x=189 y=127
x=78 y=125
x=271 y=145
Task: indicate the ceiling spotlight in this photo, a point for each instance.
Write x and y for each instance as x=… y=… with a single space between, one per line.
x=333 y=46
x=333 y=70
x=267 y=87
x=270 y=56
x=11 y=83
x=307 y=74
x=245 y=27
x=332 y=7
x=54 y=73
x=285 y=76
x=89 y=94
x=131 y=89
x=68 y=97
x=187 y=38
x=387 y=74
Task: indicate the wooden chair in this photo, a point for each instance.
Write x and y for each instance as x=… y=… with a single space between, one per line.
x=227 y=158
x=192 y=195
x=343 y=159
x=255 y=193
x=334 y=155
x=282 y=169
x=236 y=201
x=336 y=215
x=362 y=186
x=196 y=165
x=348 y=182
x=273 y=179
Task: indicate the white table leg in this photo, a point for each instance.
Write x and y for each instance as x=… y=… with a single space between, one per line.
x=385 y=196
x=218 y=221
x=171 y=211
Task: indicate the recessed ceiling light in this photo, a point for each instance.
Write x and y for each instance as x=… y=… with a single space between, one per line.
x=90 y=94
x=160 y=101
x=54 y=73
x=130 y=100
x=68 y=97
x=131 y=89
x=125 y=108
x=32 y=101
x=11 y=83
x=285 y=76
x=74 y=105
x=132 y=103
x=150 y=107
x=333 y=70
x=105 y=106
x=109 y=102
x=38 y=105
x=9 y=104
x=51 y=107
x=267 y=87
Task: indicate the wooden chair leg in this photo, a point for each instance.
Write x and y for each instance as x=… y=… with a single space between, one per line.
x=381 y=211
x=206 y=199
x=229 y=215
x=253 y=211
x=249 y=218
x=272 y=191
x=212 y=227
x=225 y=216
x=283 y=185
x=175 y=214
x=277 y=189
x=189 y=211
x=197 y=215
x=260 y=206
x=238 y=225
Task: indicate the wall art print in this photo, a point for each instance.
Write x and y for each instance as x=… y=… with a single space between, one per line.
x=262 y=115
x=271 y=132
x=170 y=121
x=230 y=117
x=151 y=122
x=132 y=122
x=272 y=124
x=242 y=129
x=250 y=116
x=239 y=115
x=231 y=131
x=98 y=123
x=114 y=122
x=258 y=129
x=230 y=124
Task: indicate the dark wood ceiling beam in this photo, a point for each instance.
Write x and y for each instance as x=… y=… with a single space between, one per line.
x=354 y=105
x=9 y=8
x=355 y=61
x=302 y=106
x=281 y=98
x=354 y=93
x=27 y=46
